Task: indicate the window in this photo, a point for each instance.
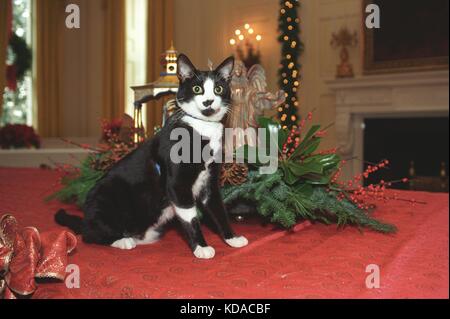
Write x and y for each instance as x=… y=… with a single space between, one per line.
x=136 y=51
x=17 y=96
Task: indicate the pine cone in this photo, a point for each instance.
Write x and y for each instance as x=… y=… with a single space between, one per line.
x=233 y=174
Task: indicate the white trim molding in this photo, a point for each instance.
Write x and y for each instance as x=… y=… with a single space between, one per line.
x=53 y=151
x=420 y=94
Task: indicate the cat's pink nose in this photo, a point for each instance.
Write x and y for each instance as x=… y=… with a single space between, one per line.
x=208 y=103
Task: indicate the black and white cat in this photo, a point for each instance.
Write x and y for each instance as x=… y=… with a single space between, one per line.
x=147 y=188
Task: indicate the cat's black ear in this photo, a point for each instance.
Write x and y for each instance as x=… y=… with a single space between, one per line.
x=225 y=69
x=185 y=68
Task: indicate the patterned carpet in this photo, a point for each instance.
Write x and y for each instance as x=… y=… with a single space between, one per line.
x=312 y=261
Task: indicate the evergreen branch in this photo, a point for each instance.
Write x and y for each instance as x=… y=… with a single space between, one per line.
x=287 y=204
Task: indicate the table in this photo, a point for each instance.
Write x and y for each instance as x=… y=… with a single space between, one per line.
x=314 y=261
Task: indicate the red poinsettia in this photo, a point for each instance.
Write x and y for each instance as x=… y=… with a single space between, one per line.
x=111 y=129
x=118 y=131
x=18 y=136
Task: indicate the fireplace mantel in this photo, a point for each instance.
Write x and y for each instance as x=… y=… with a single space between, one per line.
x=384 y=96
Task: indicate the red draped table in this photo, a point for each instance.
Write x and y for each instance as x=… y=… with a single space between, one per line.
x=313 y=261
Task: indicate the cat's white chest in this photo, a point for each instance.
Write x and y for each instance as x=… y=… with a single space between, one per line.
x=211 y=130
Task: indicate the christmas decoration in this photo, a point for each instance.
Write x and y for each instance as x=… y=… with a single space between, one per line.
x=18 y=136
x=17 y=93
x=26 y=255
x=118 y=131
x=233 y=174
x=119 y=137
x=166 y=84
x=77 y=181
x=344 y=39
x=286 y=204
x=117 y=141
x=247 y=39
x=289 y=73
x=306 y=186
x=250 y=99
x=21 y=61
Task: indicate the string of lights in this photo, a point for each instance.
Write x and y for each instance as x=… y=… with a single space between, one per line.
x=289 y=74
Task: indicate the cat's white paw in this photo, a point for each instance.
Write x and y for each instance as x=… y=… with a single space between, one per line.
x=204 y=252
x=124 y=243
x=237 y=242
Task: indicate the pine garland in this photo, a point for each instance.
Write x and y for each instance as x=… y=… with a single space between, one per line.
x=22 y=55
x=291 y=48
x=78 y=180
x=303 y=187
x=287 y=204
x=77 y=185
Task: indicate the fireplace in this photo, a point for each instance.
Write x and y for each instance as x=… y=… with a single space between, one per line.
x=416 y=147
x=364 y=102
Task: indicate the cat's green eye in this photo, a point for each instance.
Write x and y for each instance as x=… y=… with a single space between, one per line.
x=197 y=89
x=218 y=89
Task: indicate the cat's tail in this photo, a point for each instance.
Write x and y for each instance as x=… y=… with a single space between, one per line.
x=71 y=221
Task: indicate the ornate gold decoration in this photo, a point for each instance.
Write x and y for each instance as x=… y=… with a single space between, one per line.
x=166 y=84
x=344 y=39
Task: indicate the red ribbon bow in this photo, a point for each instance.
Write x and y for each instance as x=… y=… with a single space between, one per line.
x=25 y=255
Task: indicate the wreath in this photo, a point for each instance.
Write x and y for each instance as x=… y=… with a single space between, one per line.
x=22 y=60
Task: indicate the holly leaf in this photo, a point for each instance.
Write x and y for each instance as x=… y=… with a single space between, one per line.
x=318 y=179
x=305 y=189
x=305 y=145
x=265 y=122
x=311 y=147
x=272 y=126
x=328 y=161
x=300 y=169
x=260 y=157
x=289 y=177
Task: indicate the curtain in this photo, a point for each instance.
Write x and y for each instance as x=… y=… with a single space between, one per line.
x=159 y=37
x=114 y=60
x=5 y=7
x=50 y=16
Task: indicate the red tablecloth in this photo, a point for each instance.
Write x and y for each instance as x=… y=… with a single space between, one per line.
x=316 y=261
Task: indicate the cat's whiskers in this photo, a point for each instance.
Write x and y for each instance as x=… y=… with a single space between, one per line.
x=230 y=112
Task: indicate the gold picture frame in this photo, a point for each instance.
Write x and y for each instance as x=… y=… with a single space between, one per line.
x=372 y=65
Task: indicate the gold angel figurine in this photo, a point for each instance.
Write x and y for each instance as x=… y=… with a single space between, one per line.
x=250 y=99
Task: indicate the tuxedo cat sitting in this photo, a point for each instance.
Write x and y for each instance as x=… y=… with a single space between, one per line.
x=147 y=188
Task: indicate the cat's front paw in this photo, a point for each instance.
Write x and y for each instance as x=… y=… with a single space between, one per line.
x=237 y=242
x=124 y=243
x=204 y=252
